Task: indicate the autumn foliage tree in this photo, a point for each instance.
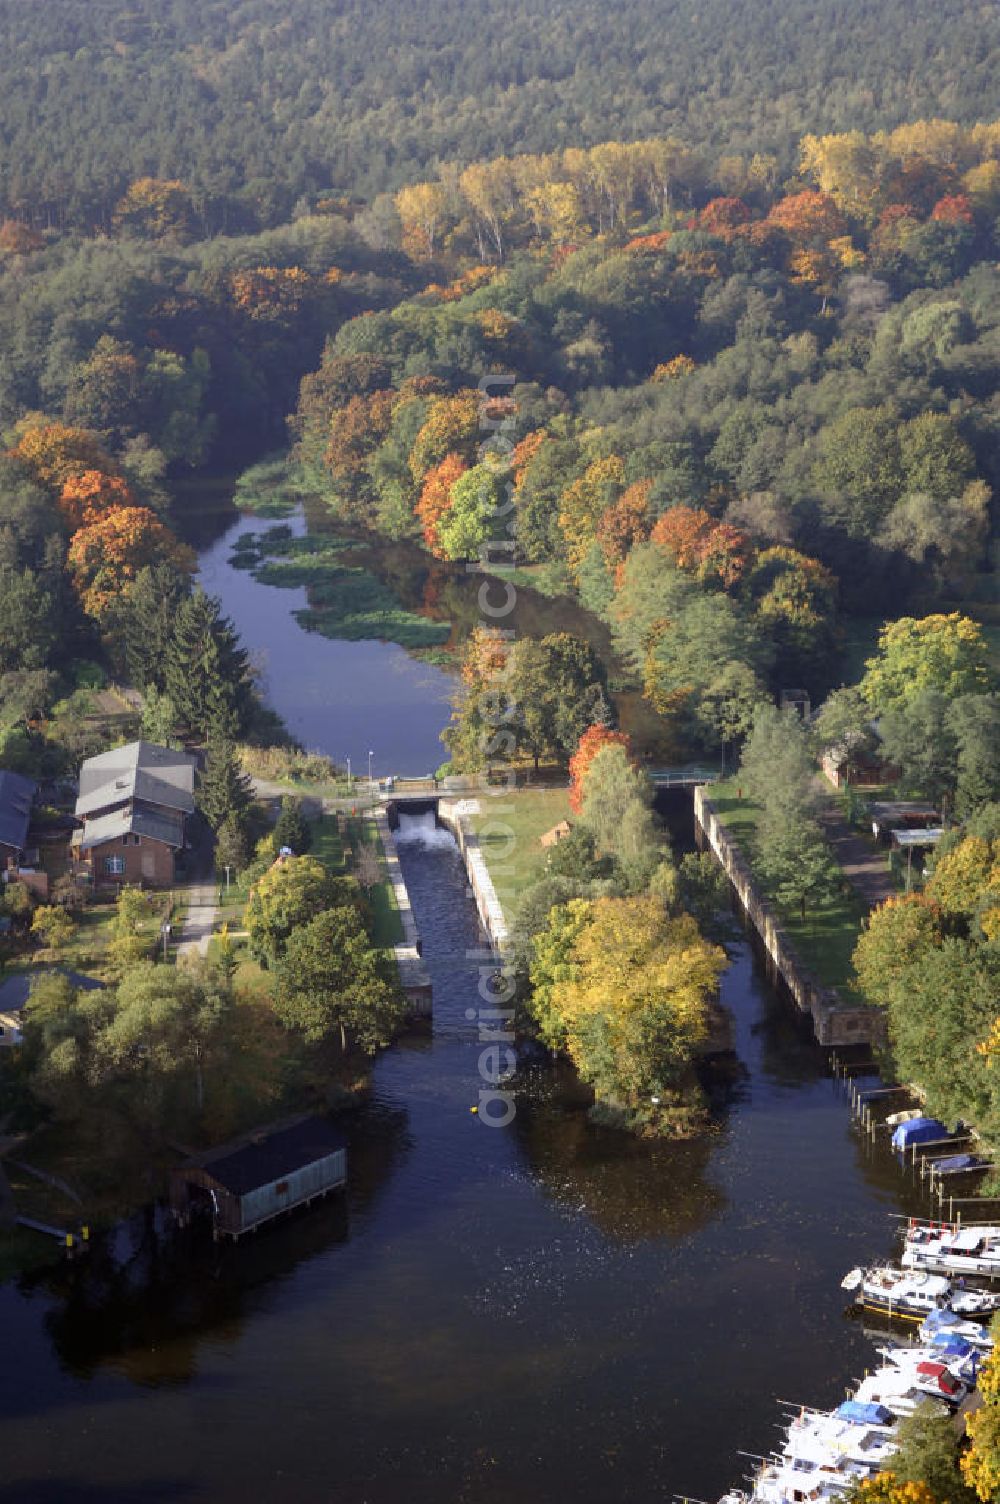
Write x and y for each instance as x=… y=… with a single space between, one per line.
x=56 y=453
x=593 y=740
x=722 y=217
x=452 y=426
x=86 y=496
x=624 y=523
x=698 y=543
x=981 y=1463
x=808 y=218
x=584 y=501
x=106 y=555
x=629 y=1004
x=156 y=209
x=436 y=499
x=270 y=293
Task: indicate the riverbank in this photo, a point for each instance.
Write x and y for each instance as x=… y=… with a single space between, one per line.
x=839 y=1018
x=825 y=938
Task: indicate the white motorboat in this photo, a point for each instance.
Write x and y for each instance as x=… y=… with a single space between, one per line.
x=912 y=1295
x=826 y=1440
x=945 y=1323
x=896 y=1389
x=782 y=1482
x=959 y=1361
x=947 y=1249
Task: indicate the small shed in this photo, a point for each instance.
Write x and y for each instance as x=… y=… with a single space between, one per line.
x=556 y=834
x=902 y=814
x=251 y=1182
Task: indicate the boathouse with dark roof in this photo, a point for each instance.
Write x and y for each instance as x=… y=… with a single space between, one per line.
x=245 y=1184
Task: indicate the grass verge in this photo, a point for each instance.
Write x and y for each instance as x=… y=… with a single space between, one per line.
x=826 y=938
x=510 y=827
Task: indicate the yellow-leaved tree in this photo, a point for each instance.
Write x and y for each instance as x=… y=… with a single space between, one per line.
x=981 y=1463
x=626 y=990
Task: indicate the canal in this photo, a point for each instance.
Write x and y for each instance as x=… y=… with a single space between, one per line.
x=540 y=1312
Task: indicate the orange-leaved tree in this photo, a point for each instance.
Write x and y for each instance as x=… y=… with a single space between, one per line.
x=56 y=452
x=624 y=523
x=722 y=216
x=593 y=740
x=808 y=218
x=105 y=556
x=86 y=496
x=435 y=498
x=270 y=293
x=698 y=543
x=525 y=452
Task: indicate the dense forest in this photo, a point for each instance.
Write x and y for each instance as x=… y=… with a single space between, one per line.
x=253 y=107
x=728 y=278
x=736 y=411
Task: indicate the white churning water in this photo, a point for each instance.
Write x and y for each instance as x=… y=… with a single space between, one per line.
x=423 y=831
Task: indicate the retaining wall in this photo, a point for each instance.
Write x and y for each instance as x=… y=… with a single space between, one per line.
x=452 y=812
x=414 y=977
x=834 y=1021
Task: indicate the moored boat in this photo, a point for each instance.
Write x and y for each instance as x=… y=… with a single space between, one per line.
x=947 y=1249
x=896 y=1389
x=912 y=1295
x=946 y=1323
x=947 y=1372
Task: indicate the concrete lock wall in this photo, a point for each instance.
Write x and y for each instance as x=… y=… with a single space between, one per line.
x=491 y=916
x=414 y=978
x=834 y=1021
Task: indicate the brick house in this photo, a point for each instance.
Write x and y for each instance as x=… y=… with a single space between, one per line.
x=16 y=796
x=133 y=804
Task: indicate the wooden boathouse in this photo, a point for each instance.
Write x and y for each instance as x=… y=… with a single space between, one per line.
x=246 y=1184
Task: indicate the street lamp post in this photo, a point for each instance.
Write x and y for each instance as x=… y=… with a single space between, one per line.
x=370 y=756
x=348 y=775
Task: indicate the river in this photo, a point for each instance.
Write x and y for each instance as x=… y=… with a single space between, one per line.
x=344 y=698
x=541 y=1312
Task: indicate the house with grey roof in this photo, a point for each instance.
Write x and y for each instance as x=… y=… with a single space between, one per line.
x=15 y=992
x=16 y=797
x=133 y=804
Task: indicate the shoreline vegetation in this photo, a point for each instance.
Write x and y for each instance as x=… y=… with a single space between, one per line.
x=345 y=601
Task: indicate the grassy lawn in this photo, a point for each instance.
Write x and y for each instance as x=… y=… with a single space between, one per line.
x=509 y=828
x=328 y=847
x=87 y=949
x=826 y=938
x=387 y=927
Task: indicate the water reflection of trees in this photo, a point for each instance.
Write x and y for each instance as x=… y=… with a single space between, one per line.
x=148 y=1296
x=631 y=1189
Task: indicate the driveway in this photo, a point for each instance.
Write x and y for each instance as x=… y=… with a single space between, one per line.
x=199 y=921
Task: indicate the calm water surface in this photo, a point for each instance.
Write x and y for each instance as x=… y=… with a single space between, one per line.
x=540 y=1313
x=339 y=697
